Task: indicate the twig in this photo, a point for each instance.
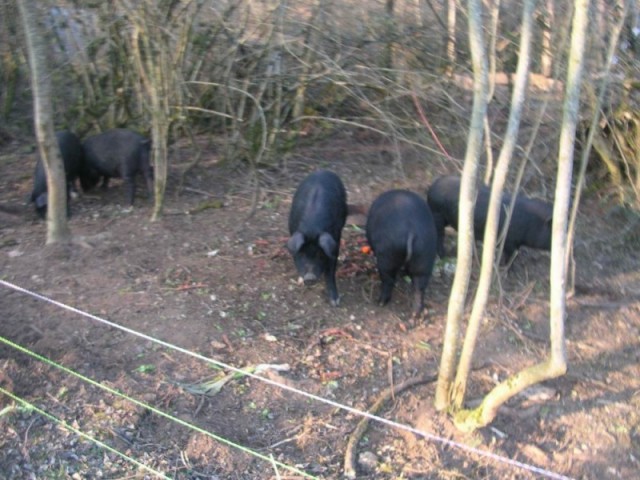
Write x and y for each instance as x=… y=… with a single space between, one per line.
x=427 y=125
x=354 y=438
x=23 y=447
x=201 y=192
x=189 y=287
x=286 y=440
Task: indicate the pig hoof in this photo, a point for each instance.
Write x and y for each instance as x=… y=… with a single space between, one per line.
x=418 y=318
x=383 y=301
x=334 y=301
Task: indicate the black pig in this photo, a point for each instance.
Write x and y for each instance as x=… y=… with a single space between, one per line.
x=530 y=222
x=318 y=214
x=117 y=153
x=402 y=234
x=73 y=160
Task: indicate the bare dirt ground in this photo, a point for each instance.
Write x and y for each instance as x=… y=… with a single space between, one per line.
x=213 y=282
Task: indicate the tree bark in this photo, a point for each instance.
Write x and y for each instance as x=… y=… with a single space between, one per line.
x=623 y=7
x=451 y=35
x=159 y=61
x=556 y=364
x=388 y=60
x=546 y=55
x=57 y=227
x=495 y=205
x=468 y=191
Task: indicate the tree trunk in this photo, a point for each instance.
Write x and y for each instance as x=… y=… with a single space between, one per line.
x=468 y=192
x=570 y=119
x=152 y=63
x=158 y=60
x=495 y=205
x=57 y=226
x=546 y=55
x=623 y=9
x=556 y=364
x=390 y=33
x=451 y=35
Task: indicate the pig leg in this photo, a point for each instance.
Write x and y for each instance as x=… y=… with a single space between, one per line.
x=419 y=283
x=388 y=282
x=330 y=277
x=438 y=220
x=388 y=275
x=130 y=187
x=149 y=180
x=509 y=255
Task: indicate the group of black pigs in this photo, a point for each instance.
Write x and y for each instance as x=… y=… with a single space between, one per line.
x=403 y=230
x=117 y=153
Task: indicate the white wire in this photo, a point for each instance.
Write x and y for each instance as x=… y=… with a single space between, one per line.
x=391 y=423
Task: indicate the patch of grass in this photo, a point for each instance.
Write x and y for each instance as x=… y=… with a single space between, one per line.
x=146 y=368
x=272 y=203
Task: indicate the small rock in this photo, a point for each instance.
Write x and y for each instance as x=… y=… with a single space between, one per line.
x=449 y=268
x=368 y=461
x=217 y=345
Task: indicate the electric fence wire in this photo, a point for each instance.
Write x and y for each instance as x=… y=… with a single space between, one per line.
x=139 y=403
x=426 y=435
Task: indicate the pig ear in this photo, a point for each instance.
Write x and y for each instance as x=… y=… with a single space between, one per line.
x=328 y=244
x=295 y=242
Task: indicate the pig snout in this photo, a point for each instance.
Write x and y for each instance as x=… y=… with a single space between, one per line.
x=309 y=278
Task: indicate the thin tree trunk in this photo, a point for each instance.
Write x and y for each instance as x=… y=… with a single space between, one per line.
x=158 y=59
x=156 y=88
x=388 y=61
x=556 y=364
x=546 y=55
x=623 y=8
x=491 y=51
x=558 y=271
x=468 y=190
x=57 y=227
x=495 y=205
x=451 y=35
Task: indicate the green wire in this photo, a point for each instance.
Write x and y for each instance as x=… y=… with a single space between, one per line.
x=150 y=408
x=31 y=406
